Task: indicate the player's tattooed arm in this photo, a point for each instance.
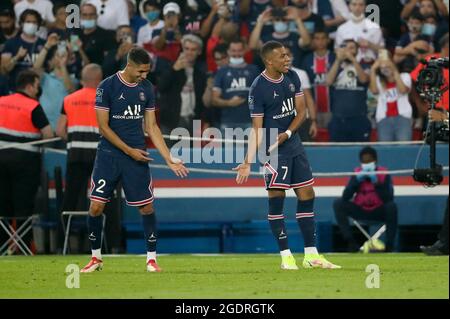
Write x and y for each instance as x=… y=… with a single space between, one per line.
x=254 y=142
x=111 y=136
x=152 y=129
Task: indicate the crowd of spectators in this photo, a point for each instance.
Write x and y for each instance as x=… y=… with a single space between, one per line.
x=358 y=67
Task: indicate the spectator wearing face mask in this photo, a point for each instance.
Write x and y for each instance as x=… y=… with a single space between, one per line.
x=432 y=31
x=367 y=34
x=111 y=13
x=223 y=32
x=21 y=52
x=394 y=112
x=437 y=26
x=166 y=41
x=280 y=18
x=151 y=10
x=408 y=44
x=368 y=196
x=231 y=86
x=95 y=40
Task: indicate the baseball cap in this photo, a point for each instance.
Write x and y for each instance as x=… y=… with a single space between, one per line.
x=171 y=7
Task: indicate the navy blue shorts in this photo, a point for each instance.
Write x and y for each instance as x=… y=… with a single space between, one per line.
x=293 y=172
x=135 y=176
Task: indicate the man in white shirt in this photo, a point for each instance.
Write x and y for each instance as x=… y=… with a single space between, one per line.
x=44 y=7
x=365 y=32
x=111 y=13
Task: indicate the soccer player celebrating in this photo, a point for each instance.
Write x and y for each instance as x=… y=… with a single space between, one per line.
x=276 y=101
x=123 y=100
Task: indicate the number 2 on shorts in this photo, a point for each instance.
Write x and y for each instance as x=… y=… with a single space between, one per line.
x=102 y=183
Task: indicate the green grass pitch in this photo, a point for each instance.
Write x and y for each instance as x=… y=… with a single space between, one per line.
x=226 y=276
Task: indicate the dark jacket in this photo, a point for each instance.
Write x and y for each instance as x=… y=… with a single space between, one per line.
x=170 y=86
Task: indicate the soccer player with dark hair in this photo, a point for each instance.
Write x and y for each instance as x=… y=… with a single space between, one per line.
x=123 y=100
x=276 y=101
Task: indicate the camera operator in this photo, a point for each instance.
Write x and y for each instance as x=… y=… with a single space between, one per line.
x=420 y=103
x=433 y=83
x=440 y=247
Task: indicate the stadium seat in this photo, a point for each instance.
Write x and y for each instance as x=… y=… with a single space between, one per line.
x=66 y=227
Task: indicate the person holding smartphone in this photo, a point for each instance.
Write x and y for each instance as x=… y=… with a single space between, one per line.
x=394 y=111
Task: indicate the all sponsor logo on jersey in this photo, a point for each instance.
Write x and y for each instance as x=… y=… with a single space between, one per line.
x=240 y=83
x=287 y=109
x=132 y=112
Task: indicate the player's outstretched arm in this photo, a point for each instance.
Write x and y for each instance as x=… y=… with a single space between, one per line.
x=111 y=136
x=255 y=138
x=152 y=129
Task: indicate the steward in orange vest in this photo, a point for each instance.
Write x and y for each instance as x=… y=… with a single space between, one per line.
x=22 y=120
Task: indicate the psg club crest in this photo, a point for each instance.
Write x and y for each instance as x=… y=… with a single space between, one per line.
x=142 y=96
x=292 y=87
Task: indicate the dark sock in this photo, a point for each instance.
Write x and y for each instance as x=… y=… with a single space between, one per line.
x=150 y=235
x=276 y=221
x=305 y=219
x=95 y=225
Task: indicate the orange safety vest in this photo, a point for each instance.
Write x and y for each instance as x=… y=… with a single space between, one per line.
x=81 y=119
x=16 y=116
x=80 y=110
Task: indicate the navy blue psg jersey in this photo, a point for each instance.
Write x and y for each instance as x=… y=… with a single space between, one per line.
x=274 y=101
x=235 y=81
x=126 y=104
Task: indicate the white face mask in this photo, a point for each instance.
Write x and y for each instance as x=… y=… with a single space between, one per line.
x=357 y=18
x=30 y=28
x=280 y=27
x=369 y=167
x=236 y=61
